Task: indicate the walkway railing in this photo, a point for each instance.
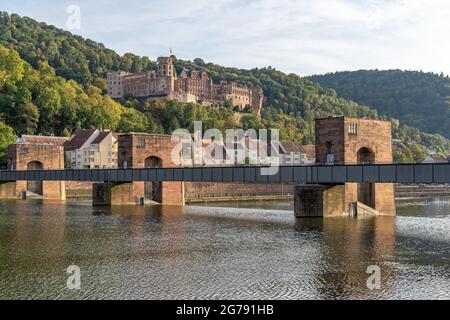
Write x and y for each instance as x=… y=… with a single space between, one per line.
x=314 y=174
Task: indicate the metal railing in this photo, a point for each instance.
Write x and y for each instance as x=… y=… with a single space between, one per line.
x=313 y=174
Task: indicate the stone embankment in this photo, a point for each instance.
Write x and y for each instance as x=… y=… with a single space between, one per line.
x=197 y=192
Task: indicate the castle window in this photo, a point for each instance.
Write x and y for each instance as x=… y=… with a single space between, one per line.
x=352 y=128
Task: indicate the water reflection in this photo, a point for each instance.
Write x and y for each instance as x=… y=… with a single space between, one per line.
x=349 y=246
x=220 y=253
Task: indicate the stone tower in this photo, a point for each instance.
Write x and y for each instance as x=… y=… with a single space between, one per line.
x=350 y=141
x=166 y=75
x=165 y=67
x=257 y=97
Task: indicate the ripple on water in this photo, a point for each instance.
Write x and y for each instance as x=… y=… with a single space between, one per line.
x=218 y=253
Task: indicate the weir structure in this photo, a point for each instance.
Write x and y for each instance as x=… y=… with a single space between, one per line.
x=349 y=141
x=354 y=173
x=140 y=150
x=32 y=158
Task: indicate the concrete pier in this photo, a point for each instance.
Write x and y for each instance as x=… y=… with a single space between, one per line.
x=8 y=190
x=106 y=194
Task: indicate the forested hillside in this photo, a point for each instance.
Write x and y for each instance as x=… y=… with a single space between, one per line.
x=53 y=82
x=70 y=55
x=417 y=99
x=37 y=101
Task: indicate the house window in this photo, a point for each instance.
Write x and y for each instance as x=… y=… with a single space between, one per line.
x=24 y=151
x=352 y=128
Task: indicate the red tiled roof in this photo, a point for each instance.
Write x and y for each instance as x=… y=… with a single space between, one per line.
x=310 y=150
x=291 y=146
x=59 y=141
x=79 y=138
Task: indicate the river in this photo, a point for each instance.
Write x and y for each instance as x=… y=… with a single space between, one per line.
x=221 y=251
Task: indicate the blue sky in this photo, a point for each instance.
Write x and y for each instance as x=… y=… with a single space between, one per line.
x=301 y=36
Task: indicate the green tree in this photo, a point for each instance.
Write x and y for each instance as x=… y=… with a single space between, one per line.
x=251 y=121
x=7 y=137
x=133 y=121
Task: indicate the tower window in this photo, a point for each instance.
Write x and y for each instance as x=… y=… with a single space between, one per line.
x=141 y=143
x=352 y=128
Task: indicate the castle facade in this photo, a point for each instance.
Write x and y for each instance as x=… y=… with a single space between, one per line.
x=194 y=86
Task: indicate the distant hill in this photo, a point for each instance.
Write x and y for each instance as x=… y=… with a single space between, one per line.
x=418 y=99
x=291 y=102
x=71 y=56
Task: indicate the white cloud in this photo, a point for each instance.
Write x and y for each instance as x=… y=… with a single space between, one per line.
x=300 y=36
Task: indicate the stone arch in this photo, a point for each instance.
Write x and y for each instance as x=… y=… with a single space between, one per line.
x=153 y=189
x=35 y=186
x=365 y=155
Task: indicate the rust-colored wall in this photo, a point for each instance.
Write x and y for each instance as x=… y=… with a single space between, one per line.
x=7 y=190
x=105 y=194
x=329 y=130
x=205 y=190
x=375 y=135
x=319 y=201
x=133 y=155
x=334 y=201
x=385 y=198
x=51 y=157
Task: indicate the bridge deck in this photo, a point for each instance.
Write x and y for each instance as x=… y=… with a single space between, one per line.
x=315 y=174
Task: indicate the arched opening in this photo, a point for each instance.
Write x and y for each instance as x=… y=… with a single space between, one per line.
x=366 y=156
x=366 y=191
x=35 y=186
x=153 y=189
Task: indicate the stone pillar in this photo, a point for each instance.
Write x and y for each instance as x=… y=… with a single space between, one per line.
x=336 y=200
x=54 y=190
x=173 y=193
x=107 y=194
x=8 y=190
x=320 y=201
x=104 y=194
x=385 y=198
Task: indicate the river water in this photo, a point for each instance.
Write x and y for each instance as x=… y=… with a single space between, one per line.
x=241 y=251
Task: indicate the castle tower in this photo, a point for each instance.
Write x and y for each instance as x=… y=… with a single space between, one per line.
x=256 y=101
x=165 y=67
x=166 y=75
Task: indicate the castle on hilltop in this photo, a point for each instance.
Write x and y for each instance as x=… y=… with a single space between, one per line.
x=194 y=86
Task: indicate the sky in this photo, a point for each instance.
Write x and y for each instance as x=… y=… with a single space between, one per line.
x=299 y=36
